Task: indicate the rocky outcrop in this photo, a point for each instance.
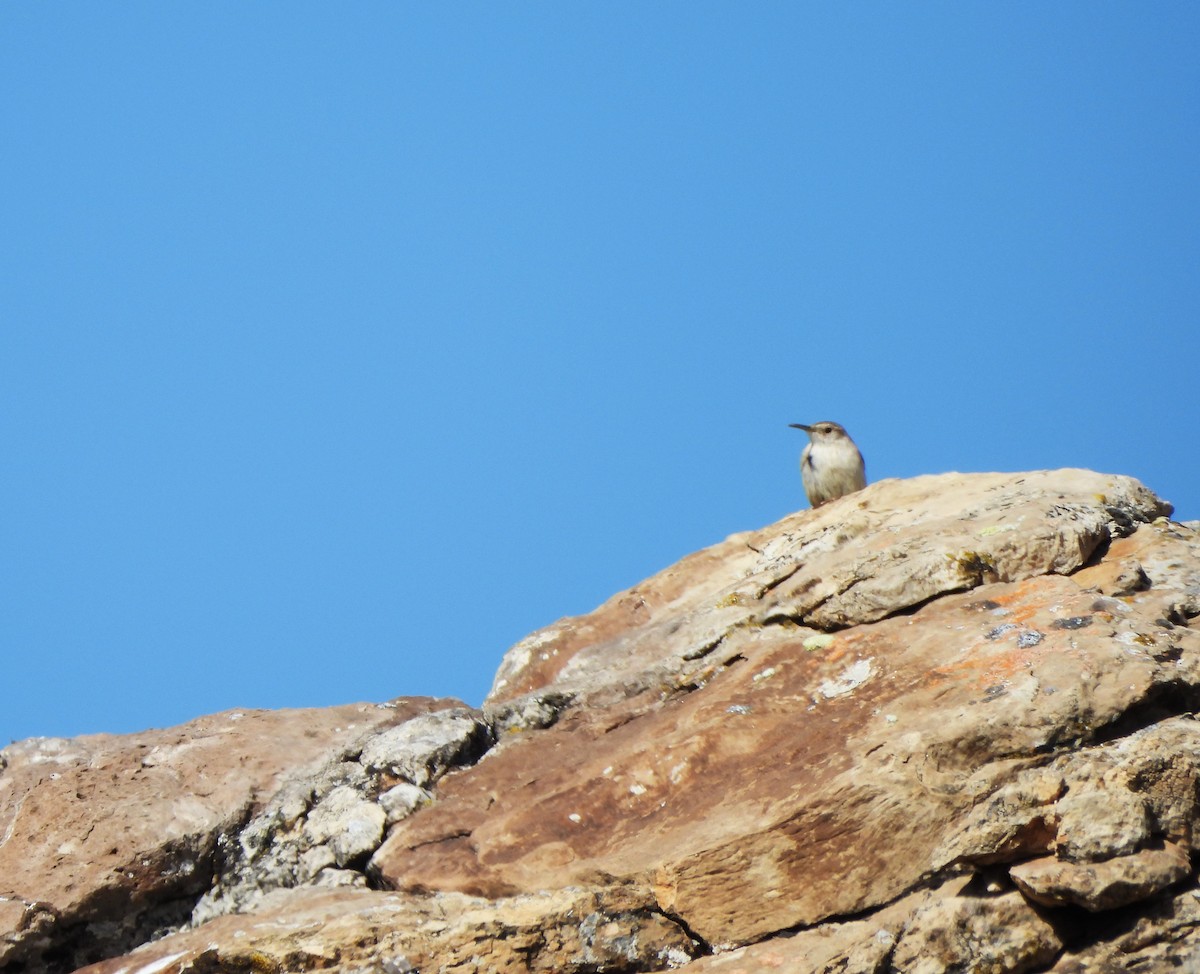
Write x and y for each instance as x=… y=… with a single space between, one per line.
x=939 y=724
x=107 y=841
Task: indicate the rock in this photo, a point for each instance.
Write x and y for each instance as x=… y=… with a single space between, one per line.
x=1155 y=935
x=349 y=824
x=1118 y=578
x=1100 y=824
x=534 y=711
x=952 y=927
x=913 y=730
x=573 y=931
x=1106 y=885
x=402 y=800
x=1121 y=796
x=899 y=730
x=423 y=749
x=335 y=815
x=891 y=546
x=106 y=840
x=971 y=933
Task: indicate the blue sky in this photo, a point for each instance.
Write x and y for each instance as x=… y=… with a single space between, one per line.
x=344 y=345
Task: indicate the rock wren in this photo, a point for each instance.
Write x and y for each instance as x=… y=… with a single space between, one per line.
x=830 y=465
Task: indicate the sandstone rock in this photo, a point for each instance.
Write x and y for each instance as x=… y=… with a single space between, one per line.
x=952 y=927
x=1121 y=796
x=871 y=554
x=1098 y=886
x=898 y=730
x=566 y=931
x=1155 y=935
x=105 y=840
x=970 y=933
x=334 y=817
x=1100 y=824
x=879 y=736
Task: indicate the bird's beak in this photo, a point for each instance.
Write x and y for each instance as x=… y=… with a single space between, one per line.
x=800 y=426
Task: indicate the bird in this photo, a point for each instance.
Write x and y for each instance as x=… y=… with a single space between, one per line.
x=831 y=465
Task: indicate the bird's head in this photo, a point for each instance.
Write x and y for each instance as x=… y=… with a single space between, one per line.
x=822 y=432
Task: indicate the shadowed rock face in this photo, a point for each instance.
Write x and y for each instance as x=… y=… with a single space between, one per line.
x=939 y=724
